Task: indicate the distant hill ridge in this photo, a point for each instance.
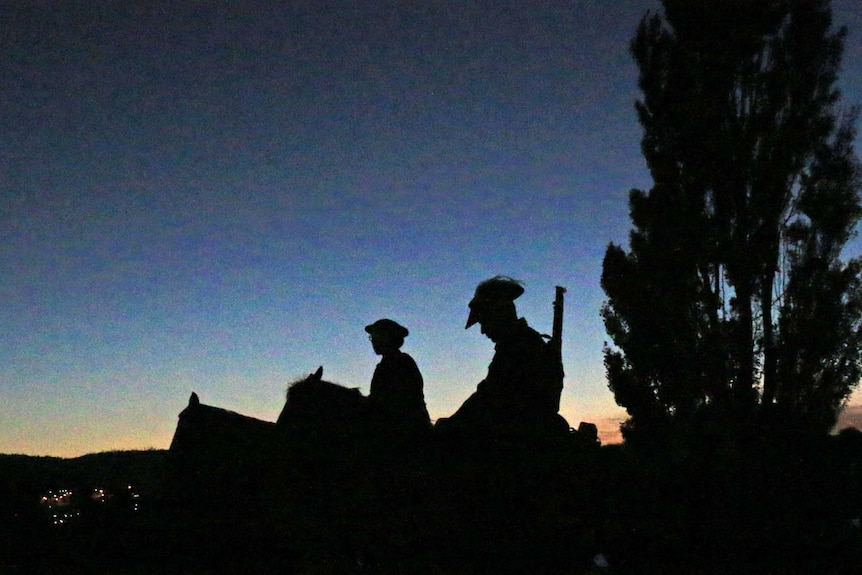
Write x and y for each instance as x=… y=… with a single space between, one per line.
x=28 y=476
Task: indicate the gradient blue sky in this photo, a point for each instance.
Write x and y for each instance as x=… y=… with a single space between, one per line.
x=218 y=196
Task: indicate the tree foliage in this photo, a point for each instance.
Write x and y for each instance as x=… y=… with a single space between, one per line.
x=733 y=295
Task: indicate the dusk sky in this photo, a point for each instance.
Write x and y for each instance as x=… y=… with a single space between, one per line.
x=218 y=196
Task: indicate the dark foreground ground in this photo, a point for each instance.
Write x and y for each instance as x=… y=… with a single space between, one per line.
x=772 y=507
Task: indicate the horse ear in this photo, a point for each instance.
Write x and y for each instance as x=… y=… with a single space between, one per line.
x=318 y=375
x=194 y=399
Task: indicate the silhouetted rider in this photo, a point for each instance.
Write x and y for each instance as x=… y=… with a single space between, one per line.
x=520 y=396
x=396 y=403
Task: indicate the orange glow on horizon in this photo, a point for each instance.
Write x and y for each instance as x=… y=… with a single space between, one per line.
x=70 y=447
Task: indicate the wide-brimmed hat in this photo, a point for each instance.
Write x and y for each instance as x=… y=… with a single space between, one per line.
x=496 y=293
x=387 y=327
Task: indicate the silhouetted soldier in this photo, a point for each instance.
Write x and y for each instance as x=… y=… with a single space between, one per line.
x=396 y=403
x=520 y=396
x=502 y=470
x=399 y=426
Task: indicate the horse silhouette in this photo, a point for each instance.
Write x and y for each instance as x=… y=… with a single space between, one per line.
x=316 y=408
x=319 y=428
x=204 y=428
x=216 y=452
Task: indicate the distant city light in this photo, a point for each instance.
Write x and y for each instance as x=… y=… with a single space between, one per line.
x=62 y=508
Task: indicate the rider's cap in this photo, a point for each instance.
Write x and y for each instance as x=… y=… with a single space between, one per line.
x=494 y=293
x=387 y=327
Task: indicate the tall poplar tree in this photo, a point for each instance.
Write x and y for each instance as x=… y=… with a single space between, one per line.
x=733 y=293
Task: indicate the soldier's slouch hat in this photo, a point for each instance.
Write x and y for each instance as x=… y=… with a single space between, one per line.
x=495 y=293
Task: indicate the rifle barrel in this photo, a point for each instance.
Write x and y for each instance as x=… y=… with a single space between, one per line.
x=557 y=332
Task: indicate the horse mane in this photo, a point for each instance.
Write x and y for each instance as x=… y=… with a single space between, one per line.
x=307 y=385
